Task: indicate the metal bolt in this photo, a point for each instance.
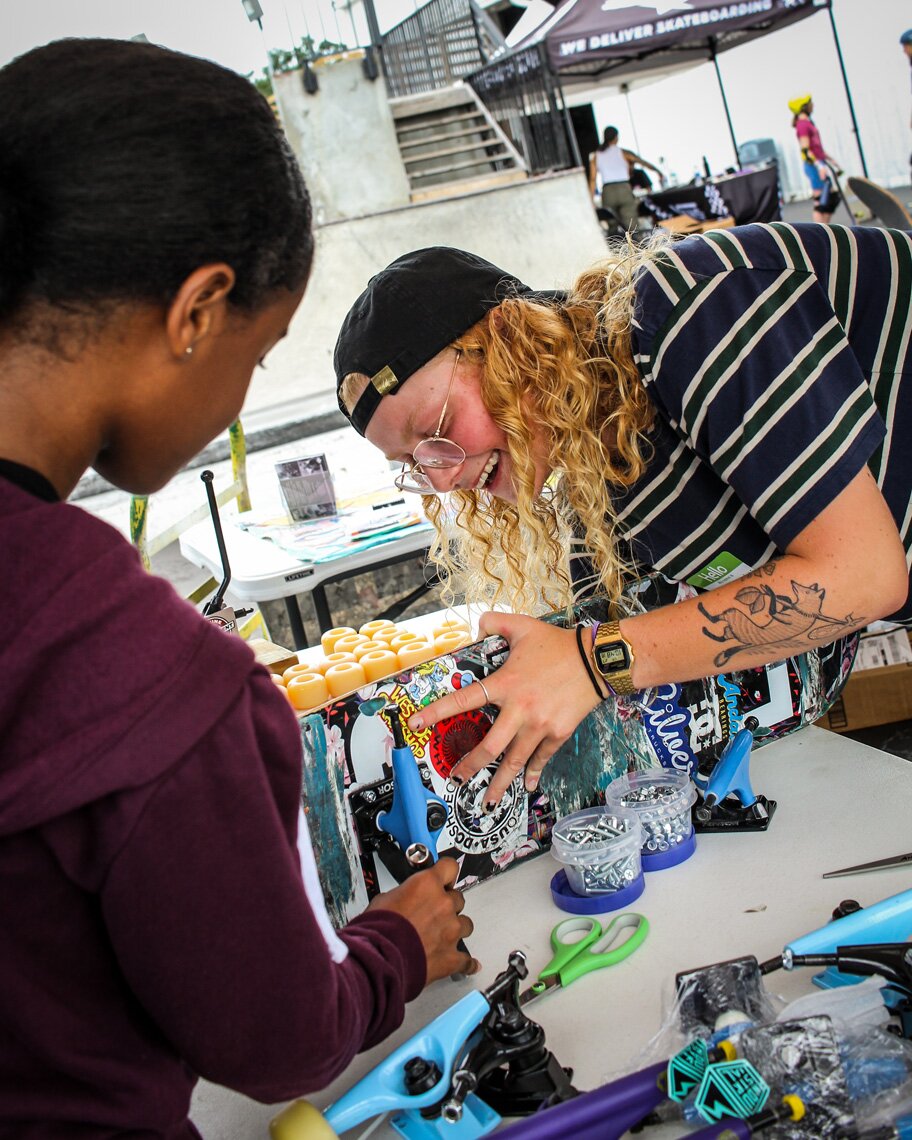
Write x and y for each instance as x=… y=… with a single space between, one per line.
x=418 y=855
x=436 y=816
x=420 y=1075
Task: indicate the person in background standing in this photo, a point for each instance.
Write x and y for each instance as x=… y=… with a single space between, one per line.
x=826 y=196
x=610 y=168
x=906 y=41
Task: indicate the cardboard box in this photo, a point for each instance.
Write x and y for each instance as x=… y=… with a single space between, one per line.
x=685 y=224
x=875 y=693
x=276 y=658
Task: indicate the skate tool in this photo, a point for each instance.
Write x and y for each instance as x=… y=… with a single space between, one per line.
x=215 y=609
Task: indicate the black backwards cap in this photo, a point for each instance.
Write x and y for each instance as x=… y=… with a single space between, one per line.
x=409 y=312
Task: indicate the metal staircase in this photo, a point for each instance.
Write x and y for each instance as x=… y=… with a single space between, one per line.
x=451 y=145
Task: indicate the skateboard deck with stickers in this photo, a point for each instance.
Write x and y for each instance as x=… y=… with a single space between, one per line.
x=348 y=774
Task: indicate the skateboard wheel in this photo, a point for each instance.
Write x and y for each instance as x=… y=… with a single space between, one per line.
x=301 y=1121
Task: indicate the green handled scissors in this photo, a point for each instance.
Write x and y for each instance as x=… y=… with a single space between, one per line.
x=574 y=957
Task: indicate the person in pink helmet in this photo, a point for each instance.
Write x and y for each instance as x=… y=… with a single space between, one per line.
x=815 y=158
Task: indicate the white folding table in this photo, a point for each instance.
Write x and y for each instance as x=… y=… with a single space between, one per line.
x=840 y=803
x=261 y=571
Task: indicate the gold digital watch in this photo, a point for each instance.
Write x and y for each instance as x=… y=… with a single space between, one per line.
x=613 y=657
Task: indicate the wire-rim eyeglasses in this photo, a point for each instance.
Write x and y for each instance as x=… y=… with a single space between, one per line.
x=436 y=452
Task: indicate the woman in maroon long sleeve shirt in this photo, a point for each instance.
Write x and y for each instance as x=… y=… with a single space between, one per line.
x=160 y=912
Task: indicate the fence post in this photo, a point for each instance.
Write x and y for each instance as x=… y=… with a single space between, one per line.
x=238 y=446
x=473 y=13
x=555 y=85
x=427 y=55
x=139 y=518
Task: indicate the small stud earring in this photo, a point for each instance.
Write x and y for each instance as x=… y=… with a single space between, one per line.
x=188 y=351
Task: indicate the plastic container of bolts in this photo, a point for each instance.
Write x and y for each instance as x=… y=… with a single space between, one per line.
x=599 y=849
x=661 y=798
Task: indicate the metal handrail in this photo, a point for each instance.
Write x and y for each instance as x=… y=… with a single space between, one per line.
x=442 y=42
x=526 y=98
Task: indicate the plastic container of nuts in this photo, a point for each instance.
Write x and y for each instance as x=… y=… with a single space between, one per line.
x=661 y=798
x=599 y=850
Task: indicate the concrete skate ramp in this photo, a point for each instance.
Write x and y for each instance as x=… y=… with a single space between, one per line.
x=544 y=231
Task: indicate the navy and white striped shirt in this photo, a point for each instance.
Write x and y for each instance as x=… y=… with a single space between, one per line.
x=777 y=358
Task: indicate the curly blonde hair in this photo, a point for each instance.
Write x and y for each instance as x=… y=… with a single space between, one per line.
x=566 y=367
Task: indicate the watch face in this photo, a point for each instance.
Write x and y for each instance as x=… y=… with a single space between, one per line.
x=612 y=657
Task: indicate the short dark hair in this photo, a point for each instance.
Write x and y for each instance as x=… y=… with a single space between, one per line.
x=609 y=138
x=125 y=166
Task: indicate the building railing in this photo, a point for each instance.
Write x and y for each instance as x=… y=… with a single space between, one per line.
x=443 y=42
x=526 y=99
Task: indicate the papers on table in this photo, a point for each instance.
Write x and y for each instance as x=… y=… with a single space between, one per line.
x=358 y=526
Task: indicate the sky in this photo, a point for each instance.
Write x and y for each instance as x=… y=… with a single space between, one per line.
x=673 y=123
x=214 y=29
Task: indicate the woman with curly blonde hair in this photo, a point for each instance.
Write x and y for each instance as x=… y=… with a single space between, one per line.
x=713 y=409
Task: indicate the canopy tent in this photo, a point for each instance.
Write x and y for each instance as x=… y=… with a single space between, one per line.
x=589 y=39
x=597 y=42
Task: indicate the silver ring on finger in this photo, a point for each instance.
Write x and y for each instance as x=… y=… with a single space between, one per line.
x=488 y=701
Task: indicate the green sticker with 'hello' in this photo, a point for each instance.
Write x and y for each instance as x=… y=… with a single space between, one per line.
x=724 y=567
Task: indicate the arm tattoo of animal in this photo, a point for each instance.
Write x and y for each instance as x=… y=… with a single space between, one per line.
x=772 y=621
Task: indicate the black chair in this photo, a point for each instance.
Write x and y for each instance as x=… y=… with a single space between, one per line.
x=882 y=204
x=611 y=223
x=613 y=227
